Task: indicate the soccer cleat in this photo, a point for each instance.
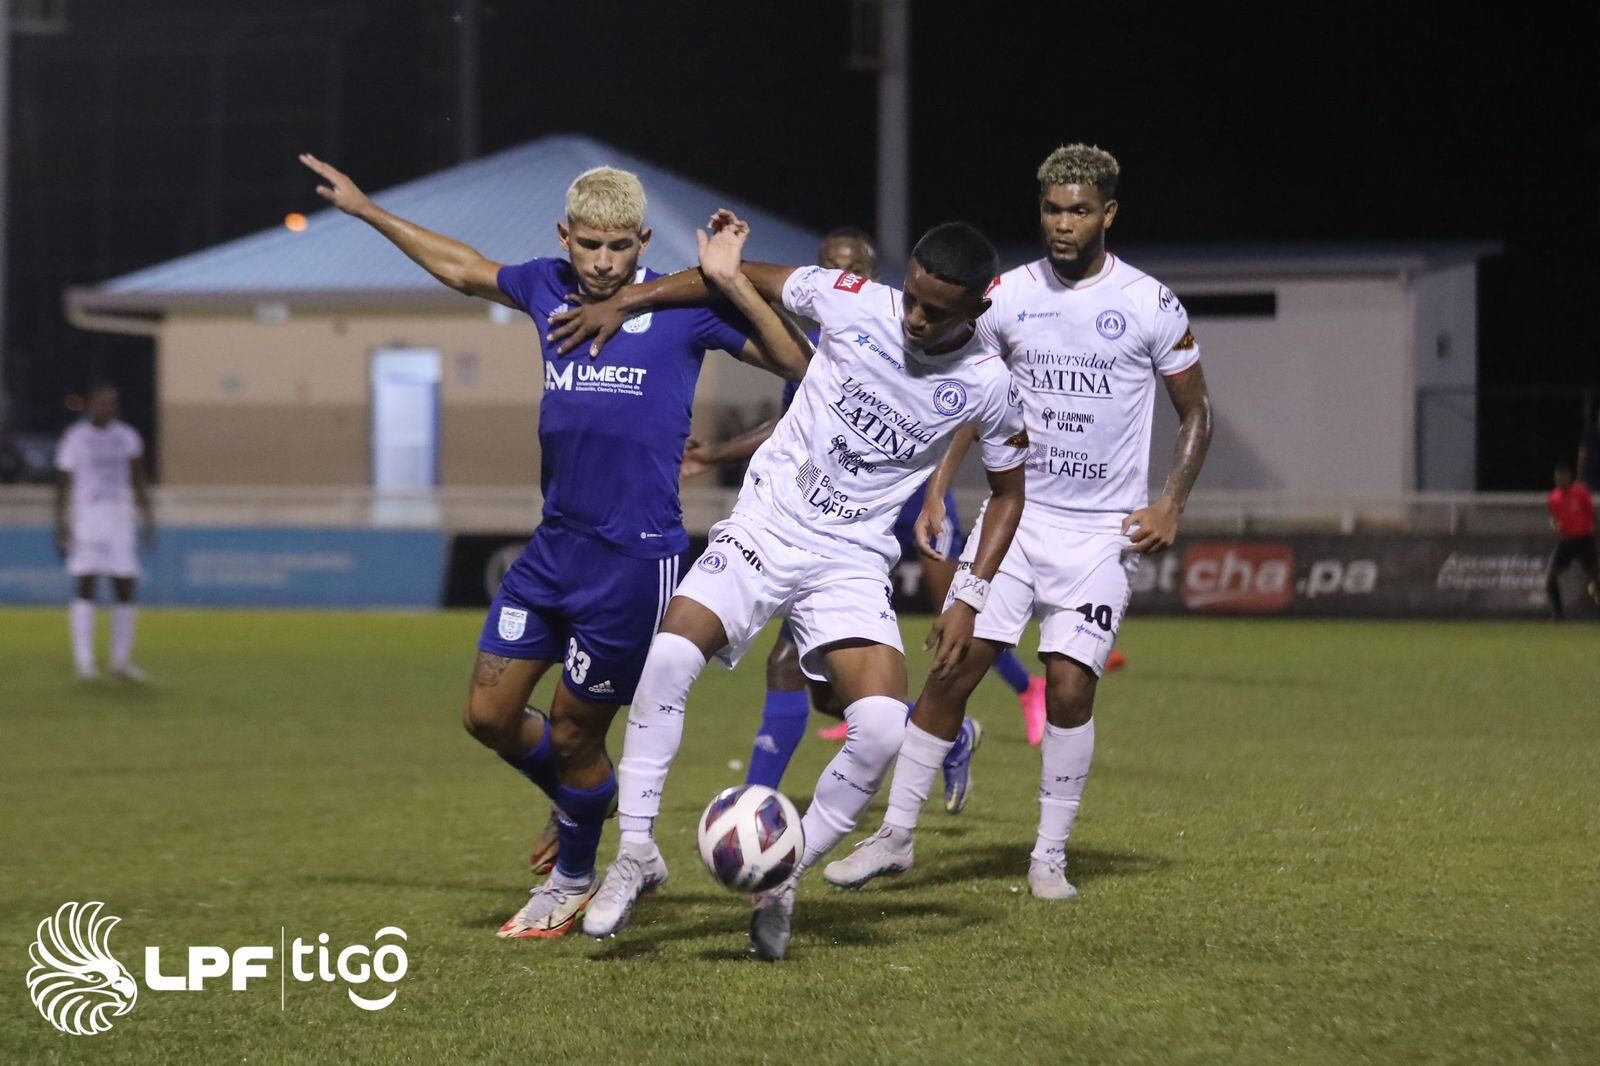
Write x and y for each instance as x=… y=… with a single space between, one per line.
x=1116 y=661
x=87 y=672
x=546 y=848
x=552 y=911
x=1033 y=710
x=1047 y=878
x=958 y=766
x=884 y=853
x=129 y=672
x=835 y=734
x=638 y=871
x=771 y=922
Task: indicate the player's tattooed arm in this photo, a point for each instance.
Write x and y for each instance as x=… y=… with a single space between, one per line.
x=1158 y=523
x=458 y=265
x=931 y=521
x=489 y=669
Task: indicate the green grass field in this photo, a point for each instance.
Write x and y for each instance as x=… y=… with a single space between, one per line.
x=1342 y=842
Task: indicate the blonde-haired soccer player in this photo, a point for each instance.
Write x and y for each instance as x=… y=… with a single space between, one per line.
x=1087 y=337
x=589 y=590
x=101 y=480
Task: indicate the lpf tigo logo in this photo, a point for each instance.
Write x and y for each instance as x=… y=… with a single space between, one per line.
x=79 y=986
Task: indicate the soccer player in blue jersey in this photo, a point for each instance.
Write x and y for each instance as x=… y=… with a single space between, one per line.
x=787 y=707
x=589 y=590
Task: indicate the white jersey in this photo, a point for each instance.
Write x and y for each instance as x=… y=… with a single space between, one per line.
x=102 y=480
x=871 y=418
x=1086 y=360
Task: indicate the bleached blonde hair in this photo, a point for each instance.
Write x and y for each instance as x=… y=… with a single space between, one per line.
x=607 y=199
x=1081 y=164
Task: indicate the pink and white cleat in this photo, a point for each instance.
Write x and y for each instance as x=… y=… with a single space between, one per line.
x=1033 y=711
x=835 y=734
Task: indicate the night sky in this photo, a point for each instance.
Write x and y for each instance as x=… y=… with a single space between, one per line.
x=138 y=138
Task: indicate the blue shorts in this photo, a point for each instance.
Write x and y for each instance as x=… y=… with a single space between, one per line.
x=575 y=600
x=950 y=540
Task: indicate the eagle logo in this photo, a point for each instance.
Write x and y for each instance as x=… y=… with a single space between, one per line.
x=75 y=981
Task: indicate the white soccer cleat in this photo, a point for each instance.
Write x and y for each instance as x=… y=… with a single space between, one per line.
x=1047 y=878
x=639 y=870
x=87 y=672
x=552 y=911
x=884 y=853
x=129 y=672
x=772 y=921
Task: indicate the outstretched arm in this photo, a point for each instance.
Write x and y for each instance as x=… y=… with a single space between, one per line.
x=774 y=347
x=63 y=496
x=598 y=322
x=1158 y=523
x=453 y=263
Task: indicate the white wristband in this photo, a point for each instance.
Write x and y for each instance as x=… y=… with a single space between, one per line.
x=972 y=590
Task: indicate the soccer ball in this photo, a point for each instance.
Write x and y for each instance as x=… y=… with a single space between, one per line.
x=750 y=838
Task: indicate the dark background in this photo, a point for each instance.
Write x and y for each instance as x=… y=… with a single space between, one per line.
x=139 y=135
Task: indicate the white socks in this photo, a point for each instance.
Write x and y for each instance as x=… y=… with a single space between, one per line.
x=124 y=618
x=1067 y=755
x=655 y=729
x=921 y=758
x=81 y=617
x=877 y=725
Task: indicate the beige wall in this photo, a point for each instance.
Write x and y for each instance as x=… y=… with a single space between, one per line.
x=245 y=403
x=248 y=403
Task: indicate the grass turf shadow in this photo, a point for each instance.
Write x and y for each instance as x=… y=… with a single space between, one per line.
x=1010 y=861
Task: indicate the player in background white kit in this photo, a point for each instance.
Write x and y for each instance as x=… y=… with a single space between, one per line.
x=1086 y=336
x=101 y=474
x=894 y=377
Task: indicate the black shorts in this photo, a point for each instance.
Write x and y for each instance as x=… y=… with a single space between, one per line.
x=1580 y=549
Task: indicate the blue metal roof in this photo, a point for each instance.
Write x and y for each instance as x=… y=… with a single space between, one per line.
x=505 y=205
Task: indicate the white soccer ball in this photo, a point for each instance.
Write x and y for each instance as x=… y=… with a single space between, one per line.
x=750 y=838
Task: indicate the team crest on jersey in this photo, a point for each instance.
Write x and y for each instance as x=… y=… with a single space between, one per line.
x=850 y=282
x=713 y=562
x=949 y=397
x=638 y=323
x=1111 y=324
x=513 y=623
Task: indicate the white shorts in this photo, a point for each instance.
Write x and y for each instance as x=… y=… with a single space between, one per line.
x=1075 y=583
x=104 y=547
x=748 y=574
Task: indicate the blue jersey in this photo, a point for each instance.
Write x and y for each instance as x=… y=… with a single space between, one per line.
x=611 y=429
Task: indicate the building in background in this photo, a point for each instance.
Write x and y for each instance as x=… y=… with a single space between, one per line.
x=326 y=357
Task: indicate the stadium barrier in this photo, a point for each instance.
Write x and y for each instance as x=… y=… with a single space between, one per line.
x=260 y=567
x=1434 y=555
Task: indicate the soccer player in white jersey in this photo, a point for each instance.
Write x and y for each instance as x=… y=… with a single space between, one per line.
x=100 y=483
x=895 y=375
x=1087 y=337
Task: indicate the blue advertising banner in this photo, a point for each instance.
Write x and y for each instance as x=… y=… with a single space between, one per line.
x=250 y=568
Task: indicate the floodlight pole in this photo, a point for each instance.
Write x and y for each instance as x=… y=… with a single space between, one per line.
x=5 y=168
x=894 y=132
x=468 y=22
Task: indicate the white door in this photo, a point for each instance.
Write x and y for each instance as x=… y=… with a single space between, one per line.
x=405 y=418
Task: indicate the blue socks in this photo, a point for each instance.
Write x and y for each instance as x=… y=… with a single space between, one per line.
x=538 y=765
x=580 y=813
x=783 y=725
x=1011 y=671
x=581 y=818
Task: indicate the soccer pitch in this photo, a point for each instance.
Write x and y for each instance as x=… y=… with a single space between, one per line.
x=1301 y=842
